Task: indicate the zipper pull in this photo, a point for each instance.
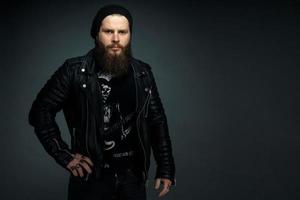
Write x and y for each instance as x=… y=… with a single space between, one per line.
x=147 y=103
x=117 y=181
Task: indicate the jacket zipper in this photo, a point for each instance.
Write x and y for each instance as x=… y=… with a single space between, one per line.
x=137 y=125
x=86 y=137
x=137 y=122
x=147 y=102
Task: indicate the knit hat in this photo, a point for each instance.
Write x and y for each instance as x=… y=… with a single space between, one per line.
x=109 y=10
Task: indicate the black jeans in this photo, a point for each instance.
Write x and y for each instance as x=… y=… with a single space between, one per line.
x=125 y=185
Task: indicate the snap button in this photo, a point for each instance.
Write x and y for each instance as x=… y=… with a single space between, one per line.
x=83 y=70
x=84 y=85
x=146 y=89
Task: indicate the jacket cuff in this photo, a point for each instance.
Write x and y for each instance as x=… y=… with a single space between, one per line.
x=159 y=174
x=64 y=159
x=62 y=153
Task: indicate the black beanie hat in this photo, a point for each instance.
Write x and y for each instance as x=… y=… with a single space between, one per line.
x=109 y=10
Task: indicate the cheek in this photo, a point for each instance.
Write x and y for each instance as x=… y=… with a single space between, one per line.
x=125 y=40
x=104 y=39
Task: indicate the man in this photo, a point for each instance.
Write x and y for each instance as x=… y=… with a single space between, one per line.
x=114 y=115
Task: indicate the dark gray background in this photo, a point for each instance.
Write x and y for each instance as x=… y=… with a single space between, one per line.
x=228 y=75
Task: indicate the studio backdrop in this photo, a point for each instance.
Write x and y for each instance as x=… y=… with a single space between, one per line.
x=227 y=73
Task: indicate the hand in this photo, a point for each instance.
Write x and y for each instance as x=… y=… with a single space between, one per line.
x=79 y=163
x=166 y=185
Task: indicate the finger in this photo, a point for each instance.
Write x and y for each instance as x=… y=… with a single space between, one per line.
x=157 y=183
x=163 y=192
x=166 y=187
x=85 y=166
x=88 y=160
x=74 y=172
x=72 y=163
x=167 y=183
x=79 y=169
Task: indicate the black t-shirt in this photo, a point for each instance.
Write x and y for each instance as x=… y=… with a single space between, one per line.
x=120 y=136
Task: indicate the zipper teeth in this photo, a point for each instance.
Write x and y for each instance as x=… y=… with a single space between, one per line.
x=61 y=149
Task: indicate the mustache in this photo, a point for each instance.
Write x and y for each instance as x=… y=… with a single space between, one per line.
x=115 y=45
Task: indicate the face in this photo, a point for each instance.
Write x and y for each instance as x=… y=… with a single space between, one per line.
x=114 y=33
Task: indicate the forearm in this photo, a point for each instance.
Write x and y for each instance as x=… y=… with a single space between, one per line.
x=43 y=111
x=50 y=138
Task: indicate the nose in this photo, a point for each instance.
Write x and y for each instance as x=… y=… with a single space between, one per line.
x=116 y=37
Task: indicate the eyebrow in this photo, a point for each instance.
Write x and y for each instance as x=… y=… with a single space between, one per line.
x=109 y=29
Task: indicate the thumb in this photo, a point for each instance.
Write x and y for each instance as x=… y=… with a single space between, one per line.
x=157 y=183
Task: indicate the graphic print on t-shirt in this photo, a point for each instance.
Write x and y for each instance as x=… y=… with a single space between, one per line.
x=112 y=115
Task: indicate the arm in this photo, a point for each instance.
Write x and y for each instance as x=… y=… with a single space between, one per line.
x=48 y=102
x=160 y=139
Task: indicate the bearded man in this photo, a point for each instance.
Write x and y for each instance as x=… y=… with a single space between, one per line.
x=114 y=115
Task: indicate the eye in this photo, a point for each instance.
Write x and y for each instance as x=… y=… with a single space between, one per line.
x=123 y=32
x=108 y=31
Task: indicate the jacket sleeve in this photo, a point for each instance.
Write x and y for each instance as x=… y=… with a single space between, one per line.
x=48 y=102
x=160 y=139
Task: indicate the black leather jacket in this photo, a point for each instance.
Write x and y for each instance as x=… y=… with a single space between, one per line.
x=73 y=88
